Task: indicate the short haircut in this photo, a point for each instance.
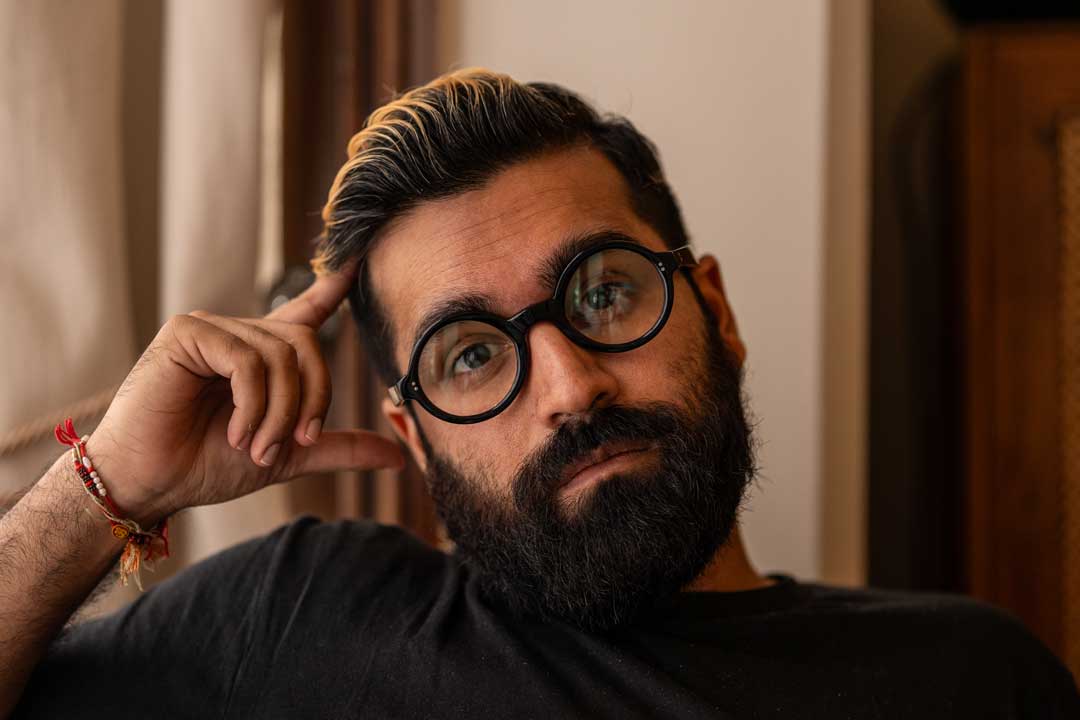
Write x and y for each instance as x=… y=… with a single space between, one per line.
x=453 y=135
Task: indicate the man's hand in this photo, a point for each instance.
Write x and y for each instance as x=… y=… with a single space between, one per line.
x=209 y=399
x=218 y=407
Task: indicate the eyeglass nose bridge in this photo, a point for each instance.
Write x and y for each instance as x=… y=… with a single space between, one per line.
x=535 y=313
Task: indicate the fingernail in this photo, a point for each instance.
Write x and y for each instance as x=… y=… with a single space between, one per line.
x=270 y=455
x=314 y=427
x=245 y=442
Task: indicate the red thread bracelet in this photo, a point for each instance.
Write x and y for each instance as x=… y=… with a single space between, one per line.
x=140 y=546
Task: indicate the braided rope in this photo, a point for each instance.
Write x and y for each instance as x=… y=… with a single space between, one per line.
x=30 y=432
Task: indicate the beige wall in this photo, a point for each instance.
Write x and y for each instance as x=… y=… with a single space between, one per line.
x=735 y=96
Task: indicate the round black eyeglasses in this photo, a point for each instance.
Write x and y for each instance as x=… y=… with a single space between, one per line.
x=613 y=297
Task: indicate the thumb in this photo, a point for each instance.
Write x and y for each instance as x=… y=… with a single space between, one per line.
x=346 y=450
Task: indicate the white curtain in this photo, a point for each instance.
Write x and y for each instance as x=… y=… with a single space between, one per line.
x=64 y=277
x=211 y=183
x=63 y=259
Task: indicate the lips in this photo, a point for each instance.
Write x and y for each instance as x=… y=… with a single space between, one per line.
x=597 y=456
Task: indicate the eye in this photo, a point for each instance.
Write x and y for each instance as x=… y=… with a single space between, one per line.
x=602 y=303
x=472 y=358
x=602 y=297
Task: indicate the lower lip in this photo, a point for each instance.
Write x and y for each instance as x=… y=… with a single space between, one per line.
x=596 y=472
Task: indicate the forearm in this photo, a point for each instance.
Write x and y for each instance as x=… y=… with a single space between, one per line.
x=55 y=546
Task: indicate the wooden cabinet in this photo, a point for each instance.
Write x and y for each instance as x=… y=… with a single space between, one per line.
x=1019 y=135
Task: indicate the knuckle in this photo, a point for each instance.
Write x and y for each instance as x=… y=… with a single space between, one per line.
x=285 y=396
x=167 y=335
x=320 y=372
x=201 y=314
x=316 y=308
x=285 y=354
x=308 y=335
x=245 y=355
x=177 y=320
x=281 y=420
x=308 y=345
x=318 y=396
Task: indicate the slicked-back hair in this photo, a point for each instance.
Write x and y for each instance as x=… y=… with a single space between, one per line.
x=453 y=135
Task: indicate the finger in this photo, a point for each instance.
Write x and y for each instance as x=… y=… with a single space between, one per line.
x=316 y=387
x=315 y=383
x=319 y=300
x=282 y=385
x=346 y=450
x=209 y=351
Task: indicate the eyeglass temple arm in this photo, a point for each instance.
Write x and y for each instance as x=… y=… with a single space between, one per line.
x=684 y=256
x=396 y=396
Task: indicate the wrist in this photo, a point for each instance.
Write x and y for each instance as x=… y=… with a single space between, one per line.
x=133 y=499
x=60 y=491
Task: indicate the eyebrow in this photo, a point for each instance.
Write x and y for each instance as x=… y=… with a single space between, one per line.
x=571 y=247
x=550 y=271
x=448 y=307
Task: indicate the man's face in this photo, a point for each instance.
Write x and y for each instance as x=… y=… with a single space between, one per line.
x=573 y=500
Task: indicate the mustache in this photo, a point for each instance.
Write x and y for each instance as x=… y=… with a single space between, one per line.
x=541 y=471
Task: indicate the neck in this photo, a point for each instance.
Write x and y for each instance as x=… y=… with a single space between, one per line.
x=729 y=570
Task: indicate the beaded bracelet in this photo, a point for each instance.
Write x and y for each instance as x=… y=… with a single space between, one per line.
x=140 y=546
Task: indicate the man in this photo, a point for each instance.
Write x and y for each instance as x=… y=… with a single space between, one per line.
x=567 y=374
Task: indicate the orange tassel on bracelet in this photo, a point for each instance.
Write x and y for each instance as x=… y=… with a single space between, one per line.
x=141 y=547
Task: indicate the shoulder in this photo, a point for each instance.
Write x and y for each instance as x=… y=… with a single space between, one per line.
x=305 y=555
x=958 y=635
x=210 y=621
x=362 y=549
x=945 y=615
x=310 y=535
x=941 y=611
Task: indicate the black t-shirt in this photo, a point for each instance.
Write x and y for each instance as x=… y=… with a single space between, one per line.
x=355 y=619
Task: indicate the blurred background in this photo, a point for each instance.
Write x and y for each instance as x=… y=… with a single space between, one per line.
x=892 y=188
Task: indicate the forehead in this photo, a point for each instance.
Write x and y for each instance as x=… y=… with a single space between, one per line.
x=493 y=241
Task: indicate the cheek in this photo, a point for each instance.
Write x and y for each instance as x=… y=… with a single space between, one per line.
x=657 y=371
x=488 y=452
x=648 y=374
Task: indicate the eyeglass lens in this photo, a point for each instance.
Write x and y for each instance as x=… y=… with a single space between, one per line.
x=468 y=367
x=614 y=297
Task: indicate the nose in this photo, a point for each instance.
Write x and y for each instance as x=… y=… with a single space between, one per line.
x=565 y=381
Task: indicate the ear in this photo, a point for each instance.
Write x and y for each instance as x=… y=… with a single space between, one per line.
x=404 y=426
x=707 y=275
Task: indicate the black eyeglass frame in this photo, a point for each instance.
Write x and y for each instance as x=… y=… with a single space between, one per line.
x=552 y=310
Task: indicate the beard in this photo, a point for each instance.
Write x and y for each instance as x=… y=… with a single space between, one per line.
x=631 y=541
